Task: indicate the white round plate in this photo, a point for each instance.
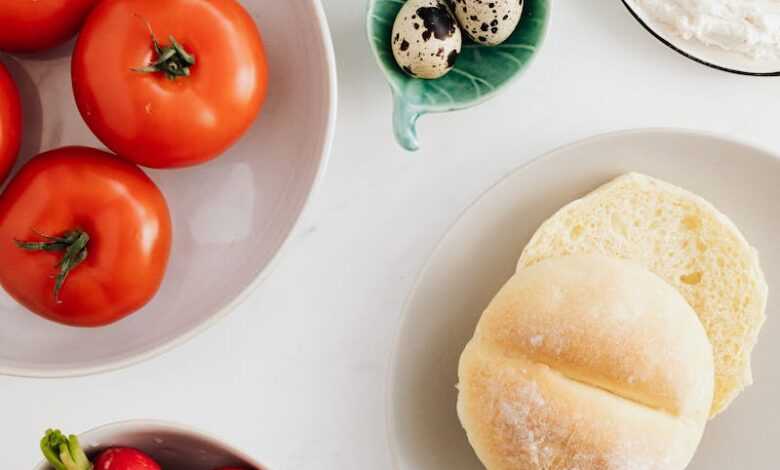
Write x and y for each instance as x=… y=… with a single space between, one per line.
x=479 y=254
x=169 y=444
x=710 y=56
x=231 y=216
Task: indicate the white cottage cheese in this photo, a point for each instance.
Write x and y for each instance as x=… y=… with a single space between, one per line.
x=751 y=27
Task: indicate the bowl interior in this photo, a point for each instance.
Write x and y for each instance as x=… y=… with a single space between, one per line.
x=708 y=55
x=230 y=216
x=479 y=73
x=480 y=252
x=173 y=446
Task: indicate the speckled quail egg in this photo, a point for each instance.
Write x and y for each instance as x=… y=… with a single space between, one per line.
x=426 y=38
x=488 y=22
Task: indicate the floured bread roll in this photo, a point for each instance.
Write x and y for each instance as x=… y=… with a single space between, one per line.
x=687 y=242
x=586 y=362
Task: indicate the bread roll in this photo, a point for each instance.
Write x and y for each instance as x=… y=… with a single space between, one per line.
x=588 y=363
x=687 y=242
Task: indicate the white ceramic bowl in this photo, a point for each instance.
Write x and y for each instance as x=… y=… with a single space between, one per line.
x=231 y=216
x=480 y=252
x=710 y=56
x=173 y=446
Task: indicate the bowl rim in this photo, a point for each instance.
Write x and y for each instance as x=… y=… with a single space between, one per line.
x=688 y=55
x=469 y=104
x=170 y=344
x=152 y=425
x=403 y=317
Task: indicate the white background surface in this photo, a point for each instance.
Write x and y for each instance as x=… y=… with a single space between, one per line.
x=296 y=375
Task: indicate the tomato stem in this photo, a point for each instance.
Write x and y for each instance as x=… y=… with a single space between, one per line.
x=64 y=452
x=73 y=244
x=172 y=59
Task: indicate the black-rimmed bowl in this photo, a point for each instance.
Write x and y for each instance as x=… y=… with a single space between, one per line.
x=711 y=56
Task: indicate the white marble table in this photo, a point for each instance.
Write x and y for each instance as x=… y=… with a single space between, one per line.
x=296 y=375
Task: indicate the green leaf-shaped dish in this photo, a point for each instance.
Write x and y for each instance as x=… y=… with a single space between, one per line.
x=480 y=72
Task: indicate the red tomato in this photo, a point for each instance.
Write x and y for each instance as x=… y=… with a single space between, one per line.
x=10 y=122
x=187 y=109
x=124 y=458
x=35 y=25
x=106 y=226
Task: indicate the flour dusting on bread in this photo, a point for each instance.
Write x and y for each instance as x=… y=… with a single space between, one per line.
x=575 y=365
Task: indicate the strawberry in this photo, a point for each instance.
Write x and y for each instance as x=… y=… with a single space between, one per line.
x=65 y=453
